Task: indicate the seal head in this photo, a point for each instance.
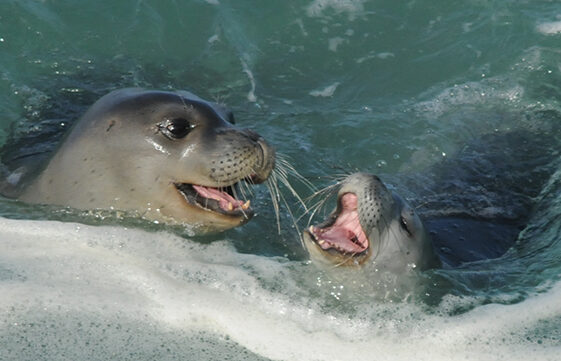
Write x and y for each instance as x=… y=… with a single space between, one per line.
x=371 y=223
x=168 y=156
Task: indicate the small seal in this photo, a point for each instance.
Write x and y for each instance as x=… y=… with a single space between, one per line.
x=371 y=223
x=168 y=156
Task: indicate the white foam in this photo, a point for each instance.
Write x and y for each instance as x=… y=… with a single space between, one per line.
x=353 y=8
x=550 y=28
x=328 y=91
x=251 y=94
x=333 y=43
x=172 y=286
x=213 y=39
x=471 y=93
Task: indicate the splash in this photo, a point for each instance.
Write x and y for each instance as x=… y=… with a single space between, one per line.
x=550 y=28
x=120 y=292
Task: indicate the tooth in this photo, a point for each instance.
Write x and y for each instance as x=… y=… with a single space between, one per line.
x=246 y=205
x=312 y=228
x=321 y=242
x=230 y=206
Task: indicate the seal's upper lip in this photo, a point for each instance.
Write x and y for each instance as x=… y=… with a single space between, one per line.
x=219 y=200
x=342 y=232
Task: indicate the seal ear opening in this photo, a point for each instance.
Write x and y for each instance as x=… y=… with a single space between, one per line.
x=110 y=124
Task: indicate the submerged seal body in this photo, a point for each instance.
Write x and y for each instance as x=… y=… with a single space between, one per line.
x=371 y=224
x=168 y=156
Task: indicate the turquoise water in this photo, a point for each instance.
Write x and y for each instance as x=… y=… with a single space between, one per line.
x=416 y=91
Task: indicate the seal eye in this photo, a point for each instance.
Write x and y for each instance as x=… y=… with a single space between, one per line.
x=404 y=225
x=176 y=128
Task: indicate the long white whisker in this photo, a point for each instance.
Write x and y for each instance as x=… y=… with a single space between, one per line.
x=274 y=192
x=292 y=217
x=327 y=193
x=282 y=159
x=345 y=260
x=327 y=189
x=247 y=184
x=241 y=187
x=280 y=177
x=287 y=184
x=316 y=208
x=236 y=197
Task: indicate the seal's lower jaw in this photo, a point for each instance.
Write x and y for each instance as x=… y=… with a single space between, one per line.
x=220 y=202
x=341 y=239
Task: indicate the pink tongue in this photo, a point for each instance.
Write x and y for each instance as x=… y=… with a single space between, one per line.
x=223 y=198
x=341 y=237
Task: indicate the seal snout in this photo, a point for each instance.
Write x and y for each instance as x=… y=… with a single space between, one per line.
x=246 y=157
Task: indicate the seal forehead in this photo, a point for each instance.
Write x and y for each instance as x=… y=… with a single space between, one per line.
x=141 y=106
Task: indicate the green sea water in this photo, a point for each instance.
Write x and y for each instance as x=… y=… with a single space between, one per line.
x=395 y=88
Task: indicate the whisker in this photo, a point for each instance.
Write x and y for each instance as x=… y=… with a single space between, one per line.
x=425 y=203
x=236 y=197
x=287 y=184
x=292 y=217
x=327 y=189
x=338 y=177
x=379 y=246
x=284 y=162
x=272 y=186
x=246 y=186
x=345 y=260
x=240 y=186
x=327 y=193
x=280 y=176
x=318 y=206
x=393 y=232
x=342 y=169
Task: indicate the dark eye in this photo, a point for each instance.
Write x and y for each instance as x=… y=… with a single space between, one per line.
x=176 y=128
x=404 y=225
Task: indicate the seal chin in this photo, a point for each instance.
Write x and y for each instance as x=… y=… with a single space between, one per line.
x=341 y=238
x=220 y=201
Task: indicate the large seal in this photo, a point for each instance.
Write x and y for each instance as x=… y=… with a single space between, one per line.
x=167 y=156
x=371 y=223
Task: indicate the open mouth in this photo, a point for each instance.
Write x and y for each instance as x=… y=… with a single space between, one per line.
x=219 y=200
x=342 y=232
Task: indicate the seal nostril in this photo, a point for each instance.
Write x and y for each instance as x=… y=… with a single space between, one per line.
x=252 y=135
x=230 y=117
